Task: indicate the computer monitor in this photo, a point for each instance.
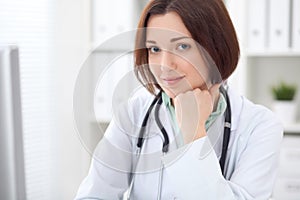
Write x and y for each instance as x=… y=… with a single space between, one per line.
x=12 y=173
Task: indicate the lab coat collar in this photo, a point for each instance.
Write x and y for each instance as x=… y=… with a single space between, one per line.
x=236 y=102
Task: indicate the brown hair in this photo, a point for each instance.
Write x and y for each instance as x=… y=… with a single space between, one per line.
x=209 y=24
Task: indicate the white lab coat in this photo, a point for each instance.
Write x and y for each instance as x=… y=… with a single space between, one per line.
x=192 y=171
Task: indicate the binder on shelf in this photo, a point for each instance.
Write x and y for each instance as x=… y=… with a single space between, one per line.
x=110 y=18
x=279 y=32
x=101 y=23
x=296 y=26
x=257 y=25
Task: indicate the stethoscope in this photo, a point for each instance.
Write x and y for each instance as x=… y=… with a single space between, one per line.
x=158 y=101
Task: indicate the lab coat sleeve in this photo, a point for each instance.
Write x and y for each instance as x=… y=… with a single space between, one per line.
x=257 y=166
x=195 y=172
x=108 y=175
x=113 y=159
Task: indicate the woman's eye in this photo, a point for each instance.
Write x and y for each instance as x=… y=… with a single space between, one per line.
x=154 y=49
x=183 y=46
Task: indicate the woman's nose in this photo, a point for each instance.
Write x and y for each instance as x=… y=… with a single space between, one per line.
x=167 y=61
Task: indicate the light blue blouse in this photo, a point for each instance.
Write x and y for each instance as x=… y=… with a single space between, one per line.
x=221 y=107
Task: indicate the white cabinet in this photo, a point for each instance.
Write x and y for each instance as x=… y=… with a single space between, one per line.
x=280 y=58
x=113 y=83
x=110 y=18
x=296 y=25
x=257 y=32
x=106 y=77
x=279 y=27
x=270 y=26
x=265 y=62
x=269 y=32
x=113 y=17
x=113 y=37
x=287 y=186
x=287 y=189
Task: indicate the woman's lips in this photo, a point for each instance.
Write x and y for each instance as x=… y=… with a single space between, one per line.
x=172 y=80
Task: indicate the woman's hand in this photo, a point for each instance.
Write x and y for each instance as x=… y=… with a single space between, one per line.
x=192 y=109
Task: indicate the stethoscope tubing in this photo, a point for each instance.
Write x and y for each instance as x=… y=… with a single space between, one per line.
x=145 y=120
x=227 y=130
x=165 y=148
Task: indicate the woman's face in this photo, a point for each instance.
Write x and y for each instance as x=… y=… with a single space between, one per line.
x=174 y=57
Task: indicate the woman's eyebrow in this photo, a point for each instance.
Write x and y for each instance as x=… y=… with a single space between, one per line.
x=179 y=38
x=171 y=40
x=151 y=41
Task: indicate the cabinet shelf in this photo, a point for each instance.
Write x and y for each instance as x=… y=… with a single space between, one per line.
x=292 y=128
x=113 y=46
x=273 y=54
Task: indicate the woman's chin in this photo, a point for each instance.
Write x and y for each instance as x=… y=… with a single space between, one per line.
x=173 y=93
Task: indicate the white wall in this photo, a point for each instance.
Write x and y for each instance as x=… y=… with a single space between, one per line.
x=237 y=9
x=70 y=50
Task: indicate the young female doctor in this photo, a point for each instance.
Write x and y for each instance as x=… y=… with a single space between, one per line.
x=188 y=137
